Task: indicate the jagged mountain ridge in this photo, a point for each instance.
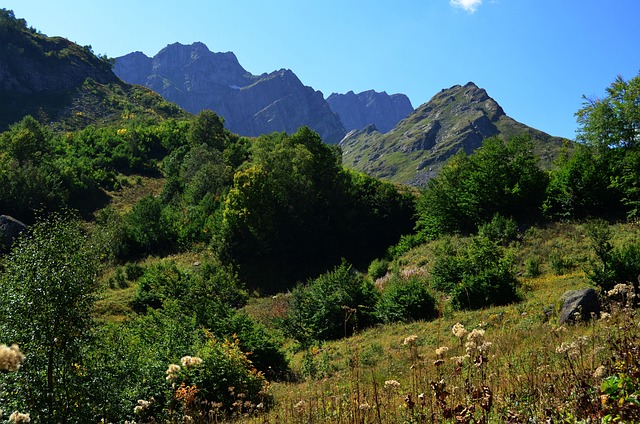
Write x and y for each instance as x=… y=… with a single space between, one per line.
x=382 y=110
x=64 y=84
x=458 y=118
x=196 y=78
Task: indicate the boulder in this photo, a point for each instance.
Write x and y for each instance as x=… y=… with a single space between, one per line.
x=10 y=229
x=579 y=305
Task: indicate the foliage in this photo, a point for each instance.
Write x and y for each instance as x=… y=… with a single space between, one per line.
x=147 y=227
x=611 y=125
x=475 y=276
x=378 y=268
x=614 y=120
x=498 y=177
x=220 y=374
x=404 y=301
x=580 y=186
x=209 y=294
x=500 y=230
x=49 y=282
x=292 y=212
x=331 y=306
x=614 y=265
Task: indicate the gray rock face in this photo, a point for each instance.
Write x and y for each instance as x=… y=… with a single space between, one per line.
x=10 y=229
x=356 y=111
x=579 y=305
x=195 y=78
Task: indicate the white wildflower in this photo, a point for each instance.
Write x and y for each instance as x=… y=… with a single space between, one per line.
x=10 y=358
x=410 y=340
x=190 y=361
x=18 y=418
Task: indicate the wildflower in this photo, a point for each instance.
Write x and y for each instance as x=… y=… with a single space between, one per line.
x=459 y=359
x=600 y=372
x=190 y=361
x=605 y=316
x=10 y=358
x=18 y=418
x=410 y=340
x=391 y=384
x=142 y=406
x=621 y=290
x=421 y=396
x=441 y=351
x=300 y=405
x=476 y=345
x=364 y=406
x=459 y=331
x=172 y=372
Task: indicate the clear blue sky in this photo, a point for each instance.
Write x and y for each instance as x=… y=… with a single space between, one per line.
x=536 y=58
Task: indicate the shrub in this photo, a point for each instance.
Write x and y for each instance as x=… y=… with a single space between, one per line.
x=404 y=301
x=378 y=268
x=331 y=306
x=147 y=227
x=532 y=267
x=478 y=275
x=500 y=230
x=613 y=265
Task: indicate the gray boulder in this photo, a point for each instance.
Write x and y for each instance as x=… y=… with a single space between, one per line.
x=579 y=305
x=10 y=229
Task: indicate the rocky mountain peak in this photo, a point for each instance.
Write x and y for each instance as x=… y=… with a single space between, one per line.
x=456 y=118
x=356 y=111
x=196 y=78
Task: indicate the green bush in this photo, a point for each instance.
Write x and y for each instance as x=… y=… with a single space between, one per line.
x=406 y=301
x=147 y=227
x=532 y=267
x=478 y=275
x=500 y=230
x=613 y=265
x=378 y=268
x=333 y=305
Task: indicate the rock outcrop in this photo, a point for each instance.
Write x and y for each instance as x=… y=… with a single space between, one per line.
x=579 y=305
x=195 y=78
x=357 y=111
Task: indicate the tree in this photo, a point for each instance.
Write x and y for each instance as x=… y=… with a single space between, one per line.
x=207 y=128
x=498 y=177
x=612 y=126
x=613 y=121
x=47 y=291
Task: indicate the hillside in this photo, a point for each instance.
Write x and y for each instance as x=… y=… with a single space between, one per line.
x=382 y=110
x=56 y=80
x=196 y=78
x=455 y=119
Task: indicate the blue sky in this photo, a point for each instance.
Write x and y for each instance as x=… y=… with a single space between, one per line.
x=536 y=58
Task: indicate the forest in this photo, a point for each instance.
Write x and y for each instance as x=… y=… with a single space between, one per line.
x=172 y=271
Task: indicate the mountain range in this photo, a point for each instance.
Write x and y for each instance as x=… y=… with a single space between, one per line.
x=195 y=78
x=68 y=87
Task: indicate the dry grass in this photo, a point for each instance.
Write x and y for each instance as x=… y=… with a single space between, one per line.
x=525 y=377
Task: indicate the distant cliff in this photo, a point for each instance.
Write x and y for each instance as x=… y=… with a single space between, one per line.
x=196 y=78
x=382 y=110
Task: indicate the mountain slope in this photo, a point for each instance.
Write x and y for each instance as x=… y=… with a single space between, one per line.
x=196 y=78
x=58 y=81
x=356 y=111
x=458 y=118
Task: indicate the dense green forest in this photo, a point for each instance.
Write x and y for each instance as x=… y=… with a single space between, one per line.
x=271 y=217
